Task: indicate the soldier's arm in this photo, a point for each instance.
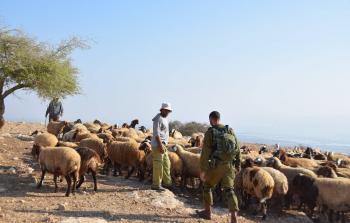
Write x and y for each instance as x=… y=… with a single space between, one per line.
x=238 y=155
x=206 y=151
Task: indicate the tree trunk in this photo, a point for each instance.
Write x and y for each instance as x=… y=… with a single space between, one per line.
x=2 y=112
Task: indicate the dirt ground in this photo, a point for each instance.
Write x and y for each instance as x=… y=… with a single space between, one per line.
x=117 y=200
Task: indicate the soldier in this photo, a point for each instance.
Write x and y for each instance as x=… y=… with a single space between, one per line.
x=220 y=155
x=55 y=110
x=161 y=162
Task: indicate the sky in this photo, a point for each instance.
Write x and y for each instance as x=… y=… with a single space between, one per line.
x=270 y=67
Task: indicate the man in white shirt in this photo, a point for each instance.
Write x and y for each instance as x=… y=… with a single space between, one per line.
x=161 y=162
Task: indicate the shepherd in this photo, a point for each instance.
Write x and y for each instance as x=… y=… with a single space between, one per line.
x=161 y=161
x=54 y=110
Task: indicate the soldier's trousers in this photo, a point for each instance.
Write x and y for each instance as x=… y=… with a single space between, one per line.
x=225 y=174
x=161 y=167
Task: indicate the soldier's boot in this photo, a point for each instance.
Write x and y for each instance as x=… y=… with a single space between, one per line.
x=234 y=217
x=206 y=213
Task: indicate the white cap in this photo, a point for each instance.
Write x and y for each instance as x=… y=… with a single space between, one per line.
x=166 y=106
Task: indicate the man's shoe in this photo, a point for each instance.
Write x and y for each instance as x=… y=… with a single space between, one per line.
x=204 y=214
x=158 y=188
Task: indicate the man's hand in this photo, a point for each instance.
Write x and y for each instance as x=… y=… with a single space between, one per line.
x=203 y=176
x=161 y=149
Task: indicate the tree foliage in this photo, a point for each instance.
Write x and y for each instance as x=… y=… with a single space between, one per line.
x=188 y=128
x=26 y=63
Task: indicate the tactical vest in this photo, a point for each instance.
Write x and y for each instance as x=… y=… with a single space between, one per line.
x=224 y=143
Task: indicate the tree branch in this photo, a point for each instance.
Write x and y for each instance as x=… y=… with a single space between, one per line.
x=13 y=89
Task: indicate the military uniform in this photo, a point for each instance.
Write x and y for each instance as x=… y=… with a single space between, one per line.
x=219 y=169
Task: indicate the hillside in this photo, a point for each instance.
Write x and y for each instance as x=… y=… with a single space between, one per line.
x=117 y=200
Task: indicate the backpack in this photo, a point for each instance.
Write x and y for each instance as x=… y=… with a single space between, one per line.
x=225 y=144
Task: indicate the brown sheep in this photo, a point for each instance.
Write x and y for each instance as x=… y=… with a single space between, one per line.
x=124 y=139
x=106 y=137
x=46 y=140
x=67 y=144
x=97 y=145
x=56 y=128
x=326 y=171
x=85 y=135
x=297 y=162
x=92 y=127
x=90 y=161
x=119 y=132
x=176 y=167
x=60 y=161
x=126 y=154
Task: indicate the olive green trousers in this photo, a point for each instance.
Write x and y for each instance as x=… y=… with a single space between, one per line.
x=225 y=174
x=161 y=167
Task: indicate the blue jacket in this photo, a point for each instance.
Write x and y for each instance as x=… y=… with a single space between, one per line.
x=55 y=109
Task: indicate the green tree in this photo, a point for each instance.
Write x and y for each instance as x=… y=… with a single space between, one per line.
x=188 y=128
x=28 y=64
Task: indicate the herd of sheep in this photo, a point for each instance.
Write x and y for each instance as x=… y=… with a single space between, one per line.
x=309 y=178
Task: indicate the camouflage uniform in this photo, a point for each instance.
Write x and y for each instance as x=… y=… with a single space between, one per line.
x=222 y=171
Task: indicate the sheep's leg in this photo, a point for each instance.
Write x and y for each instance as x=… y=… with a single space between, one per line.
x=130 y=172
x=264 y=209
x=183 y=182
x=69 y=184
x=116 y=169
x=141 y=175
x=288 y=199
x=343 y=217
x=246 y=200
x=81 y=181
x=75 y=178
x=95 y=180
x=41 y=179
x=330 y=216
x=55 y=180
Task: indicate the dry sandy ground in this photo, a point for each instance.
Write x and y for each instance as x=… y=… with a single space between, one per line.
x=117 y=200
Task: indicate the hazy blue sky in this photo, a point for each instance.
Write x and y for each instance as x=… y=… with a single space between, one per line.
x=272 y=67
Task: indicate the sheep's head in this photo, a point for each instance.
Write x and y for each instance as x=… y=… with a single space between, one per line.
x=283 y=155
x=301 y=182
x=97 y=122
x=263 y=149
x=143 y=129
x=259 y=161
x=36 y=132
x=326 y=171
x=274 y=162
x=135 y=122
x=78 y=121
x=192 y=141
x=149 y=138
x=145 y=146
x=175 y=148
x=248 y=163
x=36 y=151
